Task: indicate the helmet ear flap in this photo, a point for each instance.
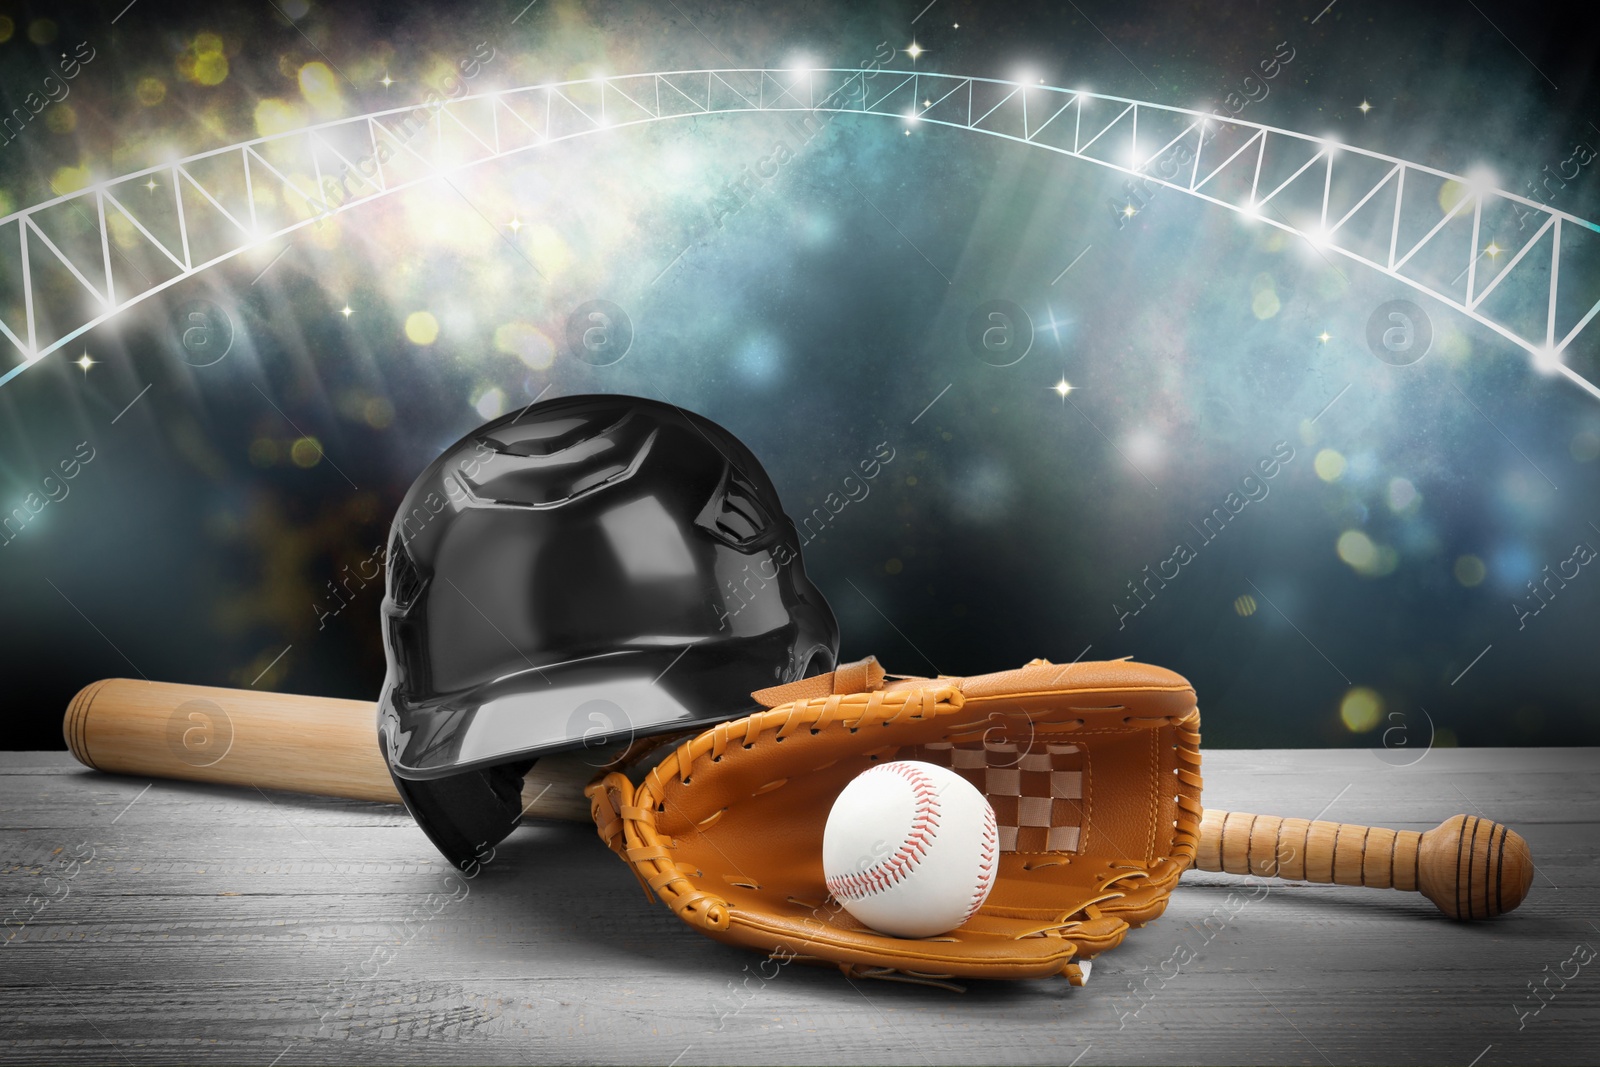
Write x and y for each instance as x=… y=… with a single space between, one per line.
x=819 y=660
x=466 y=815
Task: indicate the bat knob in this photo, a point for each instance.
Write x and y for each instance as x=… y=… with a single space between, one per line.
x=1474 y=868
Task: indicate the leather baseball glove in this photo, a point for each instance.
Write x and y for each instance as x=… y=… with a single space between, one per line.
x=1092 y=770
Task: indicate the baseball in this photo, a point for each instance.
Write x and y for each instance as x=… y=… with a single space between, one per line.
x=910 y=849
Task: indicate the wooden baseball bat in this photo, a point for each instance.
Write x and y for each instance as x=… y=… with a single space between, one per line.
x=1471 y=868
x=301 y=744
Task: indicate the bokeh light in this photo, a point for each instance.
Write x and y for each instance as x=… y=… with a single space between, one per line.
x=1357 y=549
x=1470 y=571
x=1361 y=709
x=306 y=452
x=1366 y=557
x=527 y=342
x=203 y=61
x=150 y=91
x=490 y=404
x=320 y=87
x=1403 y=496
x=422 y=328
x=273 y=116
x=1329 y=465
x=1264 y=302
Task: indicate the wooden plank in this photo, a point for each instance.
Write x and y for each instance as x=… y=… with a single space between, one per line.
x=219 y=925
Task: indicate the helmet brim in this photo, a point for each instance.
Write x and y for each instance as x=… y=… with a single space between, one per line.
x=598 y=701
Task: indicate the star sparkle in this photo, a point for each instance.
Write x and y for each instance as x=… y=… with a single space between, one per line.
x=915 y=50
x=1364 y=107
x=85 y=362
x=347 y=311
x=1062 y=388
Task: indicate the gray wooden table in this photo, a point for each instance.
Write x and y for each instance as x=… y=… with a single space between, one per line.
x=170 y=922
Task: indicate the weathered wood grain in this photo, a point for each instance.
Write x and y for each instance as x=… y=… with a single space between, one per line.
x=229 y=926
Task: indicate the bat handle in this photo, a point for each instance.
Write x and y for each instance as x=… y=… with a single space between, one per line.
x=1471 y=868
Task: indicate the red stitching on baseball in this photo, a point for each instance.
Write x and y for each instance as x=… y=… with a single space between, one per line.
x=985 y=864
x=892 y=871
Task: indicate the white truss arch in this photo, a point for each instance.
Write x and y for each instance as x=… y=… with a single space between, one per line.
x=1424 y=227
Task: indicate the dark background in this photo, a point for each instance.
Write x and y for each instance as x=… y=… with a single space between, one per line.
x=194 y=547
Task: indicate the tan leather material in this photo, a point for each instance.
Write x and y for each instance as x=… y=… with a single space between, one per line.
x=862 y=676
x=727 y=829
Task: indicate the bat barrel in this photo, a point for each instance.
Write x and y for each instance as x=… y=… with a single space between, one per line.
x=301 y=744
x=1471 y=868
x=231 y=736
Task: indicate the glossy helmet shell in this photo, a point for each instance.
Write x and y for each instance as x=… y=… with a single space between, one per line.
x=590 y=570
